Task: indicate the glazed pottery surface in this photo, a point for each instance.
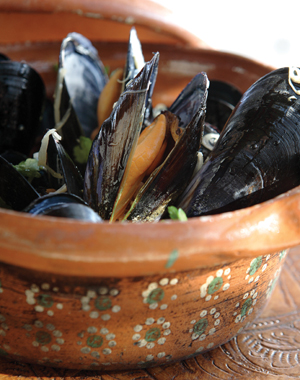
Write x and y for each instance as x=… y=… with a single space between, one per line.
x=115 y=296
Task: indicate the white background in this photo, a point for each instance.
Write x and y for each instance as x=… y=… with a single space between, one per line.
x=267 y=31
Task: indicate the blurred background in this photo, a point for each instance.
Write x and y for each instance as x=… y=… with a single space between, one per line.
x=267 y=31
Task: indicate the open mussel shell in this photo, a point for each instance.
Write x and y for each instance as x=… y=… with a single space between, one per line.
x=222 y=98
x=63 y=205
x=114 y=146
x=257 y=155
x=15 y=191
x=168 y=181
x=134 y=63
x=80 y=80
x=22 y=95
x=82 y=75
x=187 y=103
x=135 y=59
x=61 y=163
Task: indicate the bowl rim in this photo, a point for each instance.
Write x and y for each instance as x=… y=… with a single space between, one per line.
x=157 y=20
x=63 y=246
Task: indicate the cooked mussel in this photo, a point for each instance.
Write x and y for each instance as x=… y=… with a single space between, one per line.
x=257 y=155
x=119 y=79
x=169 y=180
x=113 y=148
x=83 y=76
x=15 y=191
x=22 y=95
x=80 y=80
x=63 y=205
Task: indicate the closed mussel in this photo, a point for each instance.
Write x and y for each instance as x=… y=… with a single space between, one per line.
x=22 y=95
x=64 y=206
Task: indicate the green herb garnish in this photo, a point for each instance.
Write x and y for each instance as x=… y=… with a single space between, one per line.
x=177 y=214
x=29 y=169
x=82 y=150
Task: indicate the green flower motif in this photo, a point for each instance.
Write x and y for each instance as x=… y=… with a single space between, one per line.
x=43 y=337
x=2 y=352
x=255 y=265
x=94 y=341
x=152 y=335
x=45 y=300
x=215 y=285
x=156 y=295
x=246 y=306
x=103 y=303
x=200 y=326
x=282 y=254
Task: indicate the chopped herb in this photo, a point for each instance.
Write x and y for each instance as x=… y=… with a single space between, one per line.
x=29 y=169
x=177 y=214
x=82 y=150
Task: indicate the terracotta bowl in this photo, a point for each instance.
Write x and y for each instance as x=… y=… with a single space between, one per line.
x=115 y=296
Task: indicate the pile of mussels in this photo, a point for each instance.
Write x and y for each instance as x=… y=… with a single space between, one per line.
x=108 y=154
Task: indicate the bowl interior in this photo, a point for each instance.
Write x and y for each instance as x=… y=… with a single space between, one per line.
x=72 y=247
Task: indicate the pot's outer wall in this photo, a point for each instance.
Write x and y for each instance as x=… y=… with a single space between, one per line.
x=68 y=289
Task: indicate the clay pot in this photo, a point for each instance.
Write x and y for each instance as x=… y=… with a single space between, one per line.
x=116 y=296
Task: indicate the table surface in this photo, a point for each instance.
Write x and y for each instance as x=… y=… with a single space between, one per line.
x=267 y=350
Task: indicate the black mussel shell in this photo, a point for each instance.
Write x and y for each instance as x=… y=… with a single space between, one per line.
x=47 y=121
x=84 y=77
x=15 y=191
x=22 y=95
x=168 y=181
x=257 y=155
x=222 y=98
x=13 y=157
x=63 y=205
x=4 y=57
x=187 y=103
x=134 y=60
x=59 y=161
x=115 y=143
x=134 y=63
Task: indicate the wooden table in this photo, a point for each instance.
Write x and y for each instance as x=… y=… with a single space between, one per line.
x=267 y=350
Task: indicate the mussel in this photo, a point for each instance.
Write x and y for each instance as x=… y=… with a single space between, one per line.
x=222 y=98
x=115 y=143
x=257 y=156
x=80 y=80
x=169 y=180
x=15 y=191
x=64 y=206
x=22 y=96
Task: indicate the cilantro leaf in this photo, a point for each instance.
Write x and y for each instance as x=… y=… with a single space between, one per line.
x=29 y=168
x=177 y=214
